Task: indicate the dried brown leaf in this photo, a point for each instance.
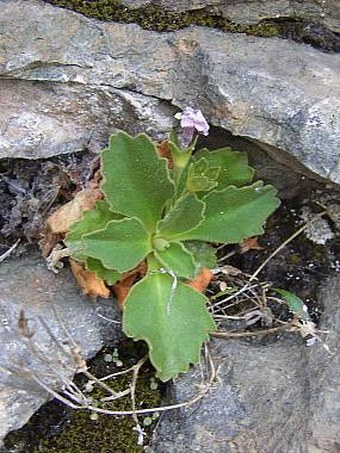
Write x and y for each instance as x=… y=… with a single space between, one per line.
x=123 y=286
x=62 y=219
x=250 y=244
x=48 y=241
x=163 y=150
x=202 y=280
x=90 y=284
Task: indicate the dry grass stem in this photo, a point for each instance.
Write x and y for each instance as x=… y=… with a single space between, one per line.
x=9 y=251
x=287 y=327
x=141 y=434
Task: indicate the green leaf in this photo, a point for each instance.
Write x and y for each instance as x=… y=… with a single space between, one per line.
x=173 y=139
x=178 y=260
x=180 y=159
x=181 y=185
x=233 y=164
x=202 y=177
x=137 y=182
x=235 y=214
x=186 y=214
x=295 y=304
x=204 y=254
x=92 y=220
x=108 y=275
x=120 y=246
x=173 y=321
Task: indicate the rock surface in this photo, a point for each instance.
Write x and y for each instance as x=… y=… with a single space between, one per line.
x=278 y=397
x=67 y=82
x=26 y=284
x=50 y=118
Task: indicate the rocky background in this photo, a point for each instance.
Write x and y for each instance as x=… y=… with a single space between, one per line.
x=67 y=81
x=266 y=76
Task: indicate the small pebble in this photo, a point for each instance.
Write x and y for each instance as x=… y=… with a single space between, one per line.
x=153 y=385
x=108 y=358
x=147 y=421
x=88 y=387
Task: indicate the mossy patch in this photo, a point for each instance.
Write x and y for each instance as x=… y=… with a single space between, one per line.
x=59 y=429
x=106 y=434
x=157 y=19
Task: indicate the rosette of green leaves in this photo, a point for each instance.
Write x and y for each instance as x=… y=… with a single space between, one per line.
x=168 y=215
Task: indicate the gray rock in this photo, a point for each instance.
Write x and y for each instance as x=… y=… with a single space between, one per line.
x=68 y=81
x=278 y=397
x=26 y=284
x=47 y=119
x=323 y=377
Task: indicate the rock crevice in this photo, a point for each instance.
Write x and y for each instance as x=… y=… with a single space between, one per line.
x=68 y=81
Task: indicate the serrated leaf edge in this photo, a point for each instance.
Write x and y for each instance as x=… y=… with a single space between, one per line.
x=102 y=229
x=174 y=238
x=104 y=179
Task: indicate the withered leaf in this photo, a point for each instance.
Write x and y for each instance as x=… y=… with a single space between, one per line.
x=90 y=284
x=62 y=219
x=163 y=150
x=250 y=244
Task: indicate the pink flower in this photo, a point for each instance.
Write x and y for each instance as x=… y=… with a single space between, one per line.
x=191 y=120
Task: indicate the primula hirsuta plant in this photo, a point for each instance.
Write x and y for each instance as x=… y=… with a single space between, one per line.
x=168 y=213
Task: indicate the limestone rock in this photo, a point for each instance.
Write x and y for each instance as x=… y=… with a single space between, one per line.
x=323 y=376
x=45 y=119
x=275 y=397
x=26 y=284
x=66 y=82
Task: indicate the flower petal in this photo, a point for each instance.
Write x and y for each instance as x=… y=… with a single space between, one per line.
x=193 y=118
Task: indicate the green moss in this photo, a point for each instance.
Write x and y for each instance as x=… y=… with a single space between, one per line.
x=155 y=18
x=107 y=433
x=59 y=429
x=265 y=29
x=295 y=259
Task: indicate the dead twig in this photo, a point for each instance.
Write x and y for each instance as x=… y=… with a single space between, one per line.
x=86 y=404
x=9 y=251
x=138 y=427
x=287 y=327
